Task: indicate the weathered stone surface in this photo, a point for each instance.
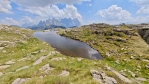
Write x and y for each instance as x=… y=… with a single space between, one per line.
x=145 y=60
x=132 y=74
x=121 y=77
x=46 y=68
x=39 y=60
x=144 y=34
x=25 y=67
x=4 y=66
x=19 y=80
x=102 y=78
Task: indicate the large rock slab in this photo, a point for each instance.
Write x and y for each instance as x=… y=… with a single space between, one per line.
x=46 y=68
x=19 y=80
x=4 y=66
x=39 y=60
x=102 y=78
x=121 y=77
x=25 y=67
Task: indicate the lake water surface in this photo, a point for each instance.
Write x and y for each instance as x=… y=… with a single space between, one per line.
x=68 y=46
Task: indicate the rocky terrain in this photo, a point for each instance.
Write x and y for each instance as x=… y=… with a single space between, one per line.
x=26 y=60
x=122 y=47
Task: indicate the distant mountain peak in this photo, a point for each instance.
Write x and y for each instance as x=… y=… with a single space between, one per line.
x=55 y=23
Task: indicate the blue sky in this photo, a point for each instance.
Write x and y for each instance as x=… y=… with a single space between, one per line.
x=19 y=12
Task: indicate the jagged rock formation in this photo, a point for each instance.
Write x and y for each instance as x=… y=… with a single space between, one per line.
x=56 y=23
x=144 y=33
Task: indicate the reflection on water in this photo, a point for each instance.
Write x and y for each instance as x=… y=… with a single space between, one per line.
x=68 y=46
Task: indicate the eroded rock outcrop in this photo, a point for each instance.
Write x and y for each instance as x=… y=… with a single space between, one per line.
x=144 y=33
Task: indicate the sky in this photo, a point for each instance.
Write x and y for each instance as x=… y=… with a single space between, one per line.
x=19 y=12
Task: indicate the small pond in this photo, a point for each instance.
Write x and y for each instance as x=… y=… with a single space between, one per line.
x=68 y=46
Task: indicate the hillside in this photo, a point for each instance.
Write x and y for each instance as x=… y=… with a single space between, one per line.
x=26 y=60
x=122 y=47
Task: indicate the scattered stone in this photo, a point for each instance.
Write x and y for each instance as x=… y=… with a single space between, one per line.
x=79 y=59
x=124 y=60
x=123 y=73
x=107 y=68
x=102 y=78
x=117 y=62
x=107 y=54
x=51 y=53
x=132 y=74
x=4 y=66
x=19 y=80
x=1 y=48
x=121 y=77
x=22 y=59
x=1 y=74
x=145 y=60
x=110 y=80
x=39 y=60
x=36 y=52
x=96 y=76
x=10 y=62
x=131 y=57
x=25 y=67
x=147 y=66
x=141 y=79
x=64 y=73
x=46 y=68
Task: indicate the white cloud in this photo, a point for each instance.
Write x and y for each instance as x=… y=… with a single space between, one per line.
x=141 y=19
x=5 y=6
x=141 y=2
x=27 y=19
x=53 y=11
x=41 y=3
x=9 y=21
x=144 y=10
x=114 y=13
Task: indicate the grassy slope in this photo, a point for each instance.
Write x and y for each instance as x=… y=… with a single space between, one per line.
x=24 y=46
x=122 y=50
